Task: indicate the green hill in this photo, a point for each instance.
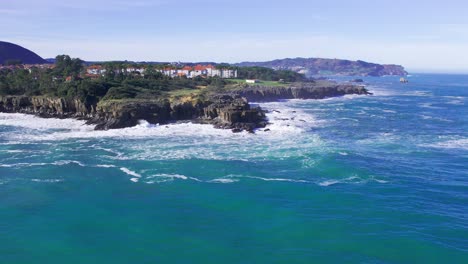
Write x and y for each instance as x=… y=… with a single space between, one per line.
x=13 y=52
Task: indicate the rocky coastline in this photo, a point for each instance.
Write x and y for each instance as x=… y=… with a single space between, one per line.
x=300 y=91
x=222 y=110
x=227 y=110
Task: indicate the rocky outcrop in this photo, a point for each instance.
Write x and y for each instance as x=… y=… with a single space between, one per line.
x=234 y=112
x=223 y=111
x=126 y=113
x=299 y=91
x=46 y=106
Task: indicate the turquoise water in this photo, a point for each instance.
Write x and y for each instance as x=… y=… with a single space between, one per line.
x=357 y=179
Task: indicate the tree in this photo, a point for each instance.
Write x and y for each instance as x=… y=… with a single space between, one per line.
x=66 y=66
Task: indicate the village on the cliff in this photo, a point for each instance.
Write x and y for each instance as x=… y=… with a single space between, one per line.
x=97 y=70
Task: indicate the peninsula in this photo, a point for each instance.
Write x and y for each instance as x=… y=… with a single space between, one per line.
x=120 y=94
x=330 y=67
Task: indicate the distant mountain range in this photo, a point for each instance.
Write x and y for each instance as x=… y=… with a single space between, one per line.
x=308 y=66
x=317 y=66
x=12 y=52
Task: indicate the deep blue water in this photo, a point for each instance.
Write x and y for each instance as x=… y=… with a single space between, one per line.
x=357 y=179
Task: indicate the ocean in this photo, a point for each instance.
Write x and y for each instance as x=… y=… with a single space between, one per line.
x=354 y=179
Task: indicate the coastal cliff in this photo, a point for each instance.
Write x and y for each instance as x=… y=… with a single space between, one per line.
x=223 y=111
x=299 y=91
x=44 y=106
x=228 y=110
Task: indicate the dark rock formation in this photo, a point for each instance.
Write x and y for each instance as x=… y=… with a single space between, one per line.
x=223 y=111
x=46 y=106
x=13 y=52
x=234 y=112
x=299 y=91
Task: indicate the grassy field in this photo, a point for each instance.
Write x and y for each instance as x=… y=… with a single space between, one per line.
x=184 y=92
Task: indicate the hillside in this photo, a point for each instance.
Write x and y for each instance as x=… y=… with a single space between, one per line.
x=317 y=66
x=13 y=52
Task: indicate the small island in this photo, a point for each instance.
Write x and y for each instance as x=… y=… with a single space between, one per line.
x=119 y=94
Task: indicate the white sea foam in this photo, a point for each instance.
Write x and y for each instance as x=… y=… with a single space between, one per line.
x=380 y=91
x=66 y=162
x=328 y=183
x=461 y=143
x=455 y=97
x=15 y=151
x=117 y=153
x=139 y=131
x=380 y=181
x=418 y=93
x=287 y=119
x=273 y=179
x=171 y=176
x=105 y=166
x=130 y=172
x=456 y=102
x=47 y=180
x=429 y=106
x=380 y=138
x=428 y=117
x=223 y=180
x=37 y=123
x=163 y=177
x=283 y=139
x=289 y=135
x=38 y=164
x=24 y=164
x=350 y=180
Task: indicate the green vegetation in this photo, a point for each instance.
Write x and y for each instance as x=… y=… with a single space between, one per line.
x=268 y=74
x=68 y=79
x=184 y=92
x=65 y=80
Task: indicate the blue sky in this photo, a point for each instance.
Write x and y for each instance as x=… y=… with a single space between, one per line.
x=421 y=35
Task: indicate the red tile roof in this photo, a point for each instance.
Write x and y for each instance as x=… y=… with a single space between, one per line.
x=200 y=68
x=97 y=67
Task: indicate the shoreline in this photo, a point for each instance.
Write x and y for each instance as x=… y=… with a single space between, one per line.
x=230 y=110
